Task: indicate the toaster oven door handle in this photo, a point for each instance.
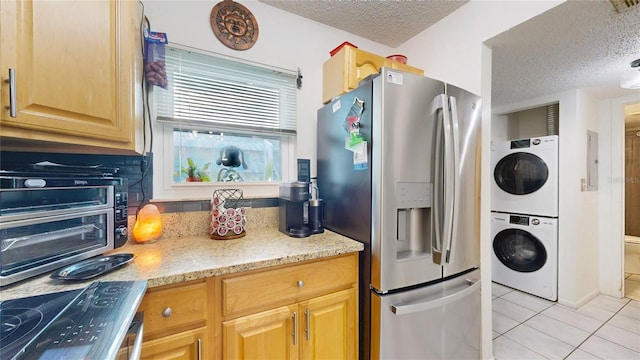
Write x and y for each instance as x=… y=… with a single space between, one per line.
x=136 y=349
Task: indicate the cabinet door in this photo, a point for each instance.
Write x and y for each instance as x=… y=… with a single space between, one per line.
x=267 y=335
x=188 y=345
x=74 y=66
x=330 y=327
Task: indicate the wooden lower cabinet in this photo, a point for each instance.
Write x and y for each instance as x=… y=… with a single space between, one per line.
x=319 y=322
x=320 y=328
x=177 y=321
x=188 y=345
x=266 y=335
x=330 y=327
x=307 y=310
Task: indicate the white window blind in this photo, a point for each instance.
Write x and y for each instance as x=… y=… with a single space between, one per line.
x=226 y=94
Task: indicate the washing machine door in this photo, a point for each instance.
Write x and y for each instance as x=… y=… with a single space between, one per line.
x=521 y=173
x=519 y=250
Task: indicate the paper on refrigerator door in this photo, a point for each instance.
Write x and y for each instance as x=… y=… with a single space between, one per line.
x=360 y=160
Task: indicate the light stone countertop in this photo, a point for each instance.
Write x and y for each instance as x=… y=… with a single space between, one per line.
x=173 y=260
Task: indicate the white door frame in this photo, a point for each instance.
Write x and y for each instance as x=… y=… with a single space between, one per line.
x=611 y=195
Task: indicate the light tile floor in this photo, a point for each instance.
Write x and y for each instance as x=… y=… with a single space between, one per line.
x=528 y=327
x=632 y=286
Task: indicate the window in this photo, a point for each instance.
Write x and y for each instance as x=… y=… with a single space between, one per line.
x=223 y=124
x=253 y=158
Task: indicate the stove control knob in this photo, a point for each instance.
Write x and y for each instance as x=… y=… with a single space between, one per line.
x=167 y=312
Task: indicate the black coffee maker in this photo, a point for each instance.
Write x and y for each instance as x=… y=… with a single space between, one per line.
x=292 y=197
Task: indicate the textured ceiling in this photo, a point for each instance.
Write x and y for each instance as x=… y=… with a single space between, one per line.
x=386 y=22
x=577 y=44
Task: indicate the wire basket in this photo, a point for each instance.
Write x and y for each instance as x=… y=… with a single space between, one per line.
x=228 y=218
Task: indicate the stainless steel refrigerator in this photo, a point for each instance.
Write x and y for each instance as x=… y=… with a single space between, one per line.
x=398 y=169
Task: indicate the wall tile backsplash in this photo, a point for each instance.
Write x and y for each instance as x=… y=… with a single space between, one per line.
x=196 y=223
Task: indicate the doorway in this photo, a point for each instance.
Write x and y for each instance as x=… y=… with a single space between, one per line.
x=631 y=203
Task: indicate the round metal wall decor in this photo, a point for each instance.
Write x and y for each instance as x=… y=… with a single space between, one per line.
x=234 y=25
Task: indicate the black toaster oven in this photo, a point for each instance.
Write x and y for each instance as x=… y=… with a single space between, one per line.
x=52 y=219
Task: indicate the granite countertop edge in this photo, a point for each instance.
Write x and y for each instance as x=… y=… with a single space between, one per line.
x=174 y=260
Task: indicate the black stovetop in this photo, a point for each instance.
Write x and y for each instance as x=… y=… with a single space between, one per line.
x=22 y=319
x=69 y=324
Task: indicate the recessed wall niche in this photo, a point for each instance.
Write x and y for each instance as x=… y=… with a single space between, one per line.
x=535 y=122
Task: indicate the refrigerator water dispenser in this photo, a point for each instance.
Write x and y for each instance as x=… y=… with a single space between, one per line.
x=413 y=220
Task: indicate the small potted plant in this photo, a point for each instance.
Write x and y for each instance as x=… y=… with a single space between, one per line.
x=195 y=173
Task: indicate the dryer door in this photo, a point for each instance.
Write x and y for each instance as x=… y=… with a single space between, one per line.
x=521 y=173
x=519 y=250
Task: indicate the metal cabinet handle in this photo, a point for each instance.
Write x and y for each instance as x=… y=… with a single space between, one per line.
x=300 y=283
x=13 y=105
x=137 y=342
x=199 y=349
x=307 y=325
x=295 y=328
x=167 y=312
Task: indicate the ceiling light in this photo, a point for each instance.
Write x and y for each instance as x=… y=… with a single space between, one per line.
x=632 y=83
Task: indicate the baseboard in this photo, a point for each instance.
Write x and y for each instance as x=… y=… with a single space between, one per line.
x=585 y=299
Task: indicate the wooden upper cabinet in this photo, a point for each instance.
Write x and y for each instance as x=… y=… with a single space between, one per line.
x=75 y=66
x=346 y=68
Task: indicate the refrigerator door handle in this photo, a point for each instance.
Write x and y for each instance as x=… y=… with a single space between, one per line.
x=448 y=186
x=437 y=243
x=455 y=179
x=473 y=285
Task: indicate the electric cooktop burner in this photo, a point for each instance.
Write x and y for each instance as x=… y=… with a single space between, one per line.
x=22 y=319
x=70 y=324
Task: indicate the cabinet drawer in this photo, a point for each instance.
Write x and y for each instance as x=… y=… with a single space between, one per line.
x=188 y=345
x=293 y=283
x=172 y=309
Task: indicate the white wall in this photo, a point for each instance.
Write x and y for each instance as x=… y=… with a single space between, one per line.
x=581 y=236
x=285 y=41
x=500 y=128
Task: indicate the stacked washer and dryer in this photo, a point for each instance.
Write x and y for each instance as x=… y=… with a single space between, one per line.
x=524 y=217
